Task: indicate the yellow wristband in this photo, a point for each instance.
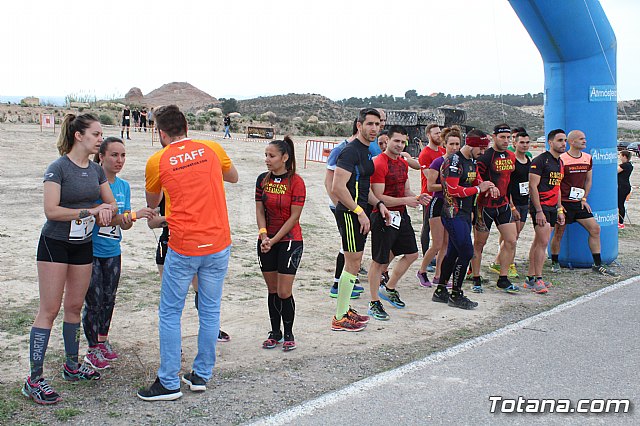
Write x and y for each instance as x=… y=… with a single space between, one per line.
x=357 y=210
x=262 y=231
x=134 y=216
x=584 y=199
x=513 y=209
x=560 y=210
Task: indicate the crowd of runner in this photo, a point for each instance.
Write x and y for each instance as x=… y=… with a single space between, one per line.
x=468 y=183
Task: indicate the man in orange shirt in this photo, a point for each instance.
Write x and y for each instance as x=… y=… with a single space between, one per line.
x=191 y=173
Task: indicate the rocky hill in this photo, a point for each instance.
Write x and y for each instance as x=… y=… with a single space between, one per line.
x=298 y=105
x=183 y=94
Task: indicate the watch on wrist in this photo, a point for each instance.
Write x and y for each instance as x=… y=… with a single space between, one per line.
x=378 y=204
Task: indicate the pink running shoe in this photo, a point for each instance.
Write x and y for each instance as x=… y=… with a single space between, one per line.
x=423 y=279
x=95 y=359
x=107 y=351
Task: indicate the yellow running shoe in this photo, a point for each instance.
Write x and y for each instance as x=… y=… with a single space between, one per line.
x=513 y=272
x=495 y=267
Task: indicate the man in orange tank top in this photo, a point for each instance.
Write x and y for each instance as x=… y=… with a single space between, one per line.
x=574 y=190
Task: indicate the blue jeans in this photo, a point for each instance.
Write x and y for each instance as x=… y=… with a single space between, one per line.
x=178 y=272
x=226 y=131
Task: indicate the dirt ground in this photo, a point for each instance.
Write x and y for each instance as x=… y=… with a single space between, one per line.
x=248 y=381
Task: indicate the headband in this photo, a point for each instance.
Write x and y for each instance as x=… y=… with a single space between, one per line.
x=497 y=130
x=477 y=142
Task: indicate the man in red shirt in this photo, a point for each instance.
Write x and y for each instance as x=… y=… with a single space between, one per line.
x=433 y=150
x=390 y=184
x=545 y=175
x=495 y=166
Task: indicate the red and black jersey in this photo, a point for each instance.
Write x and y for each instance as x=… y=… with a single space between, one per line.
x=459 y=178
x=394 y=175
x=550 y=170
x=496 y=167
x=277 y=196
x=575 y=176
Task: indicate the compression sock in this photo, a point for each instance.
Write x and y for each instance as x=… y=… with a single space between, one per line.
x=345 y=288
x=38 y=342
x=339 y=268
x=503 y=281
x=288 y=314
x=71 y=337
x=274 y=311
x=555 y=258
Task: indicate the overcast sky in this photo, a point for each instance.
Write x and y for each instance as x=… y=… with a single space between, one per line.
x=243 y=49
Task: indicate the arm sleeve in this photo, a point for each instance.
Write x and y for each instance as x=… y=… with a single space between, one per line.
x=454 y=189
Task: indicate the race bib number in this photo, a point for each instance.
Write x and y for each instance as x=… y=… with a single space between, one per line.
x=395 y=219
x=111 y=232
x=126 y=117
x=81 y=228
x=524 y=188
x=576 y=194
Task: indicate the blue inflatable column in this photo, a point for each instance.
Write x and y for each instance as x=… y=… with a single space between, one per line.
x=578 y=48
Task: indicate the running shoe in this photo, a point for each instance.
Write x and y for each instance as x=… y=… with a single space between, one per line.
x=603 y=270
x=384 y=279
x=95 y=358
x=272 y=341
x=513 y=272
x=620 y=225
x=555 y=267
x=357 y=288
x=469 y=276
x=376 y=310
x=423 y=279
x=461 y=301
x=511 y=288
x=82 y=373
x=440 y=295
x=289 y=343
x=157 y=392
x=354 y=294
x=223 y=337
x=495 y=267
x=354 y=315
x=40 y=391
x=431 y=268
x=477 y=288
x=392 y=296
x=107 y=351
x=346 y=324
x=195 y=382
x=539 y=287
x=362 y=271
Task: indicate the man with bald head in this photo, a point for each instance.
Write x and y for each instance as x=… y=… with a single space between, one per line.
x=574 y=191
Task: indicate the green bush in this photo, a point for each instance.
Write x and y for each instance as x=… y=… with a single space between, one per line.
x=106 y=119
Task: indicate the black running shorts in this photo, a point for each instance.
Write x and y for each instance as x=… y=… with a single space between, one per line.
x=385 y=239
x=435 y=207
x=284 y=257
x=524 y=212
x=485 y=216
x=352 y=239
x=57 y=251
x=550 y=213
x=573 y=211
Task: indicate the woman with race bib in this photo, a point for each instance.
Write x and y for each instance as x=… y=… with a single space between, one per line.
x=72 y=184
x=101 y=295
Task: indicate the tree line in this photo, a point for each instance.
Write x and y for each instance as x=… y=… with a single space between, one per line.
x=413 y=100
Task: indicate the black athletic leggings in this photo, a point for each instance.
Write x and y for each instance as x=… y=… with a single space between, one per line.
x=459 y=251
x=101 y=297
x=623 y=191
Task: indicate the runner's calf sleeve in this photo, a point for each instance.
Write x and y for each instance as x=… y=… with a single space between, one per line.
x=275 y=314
x=38 y=342
x=288 y=314
x=339 y=266
x=345 y=288
x=71 y=337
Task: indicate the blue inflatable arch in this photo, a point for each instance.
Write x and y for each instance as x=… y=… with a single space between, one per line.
x=578 y=48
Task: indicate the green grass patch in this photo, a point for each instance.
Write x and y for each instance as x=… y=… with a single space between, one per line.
x=66 y=414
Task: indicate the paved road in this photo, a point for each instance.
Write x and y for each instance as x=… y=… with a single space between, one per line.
x=588 y=348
